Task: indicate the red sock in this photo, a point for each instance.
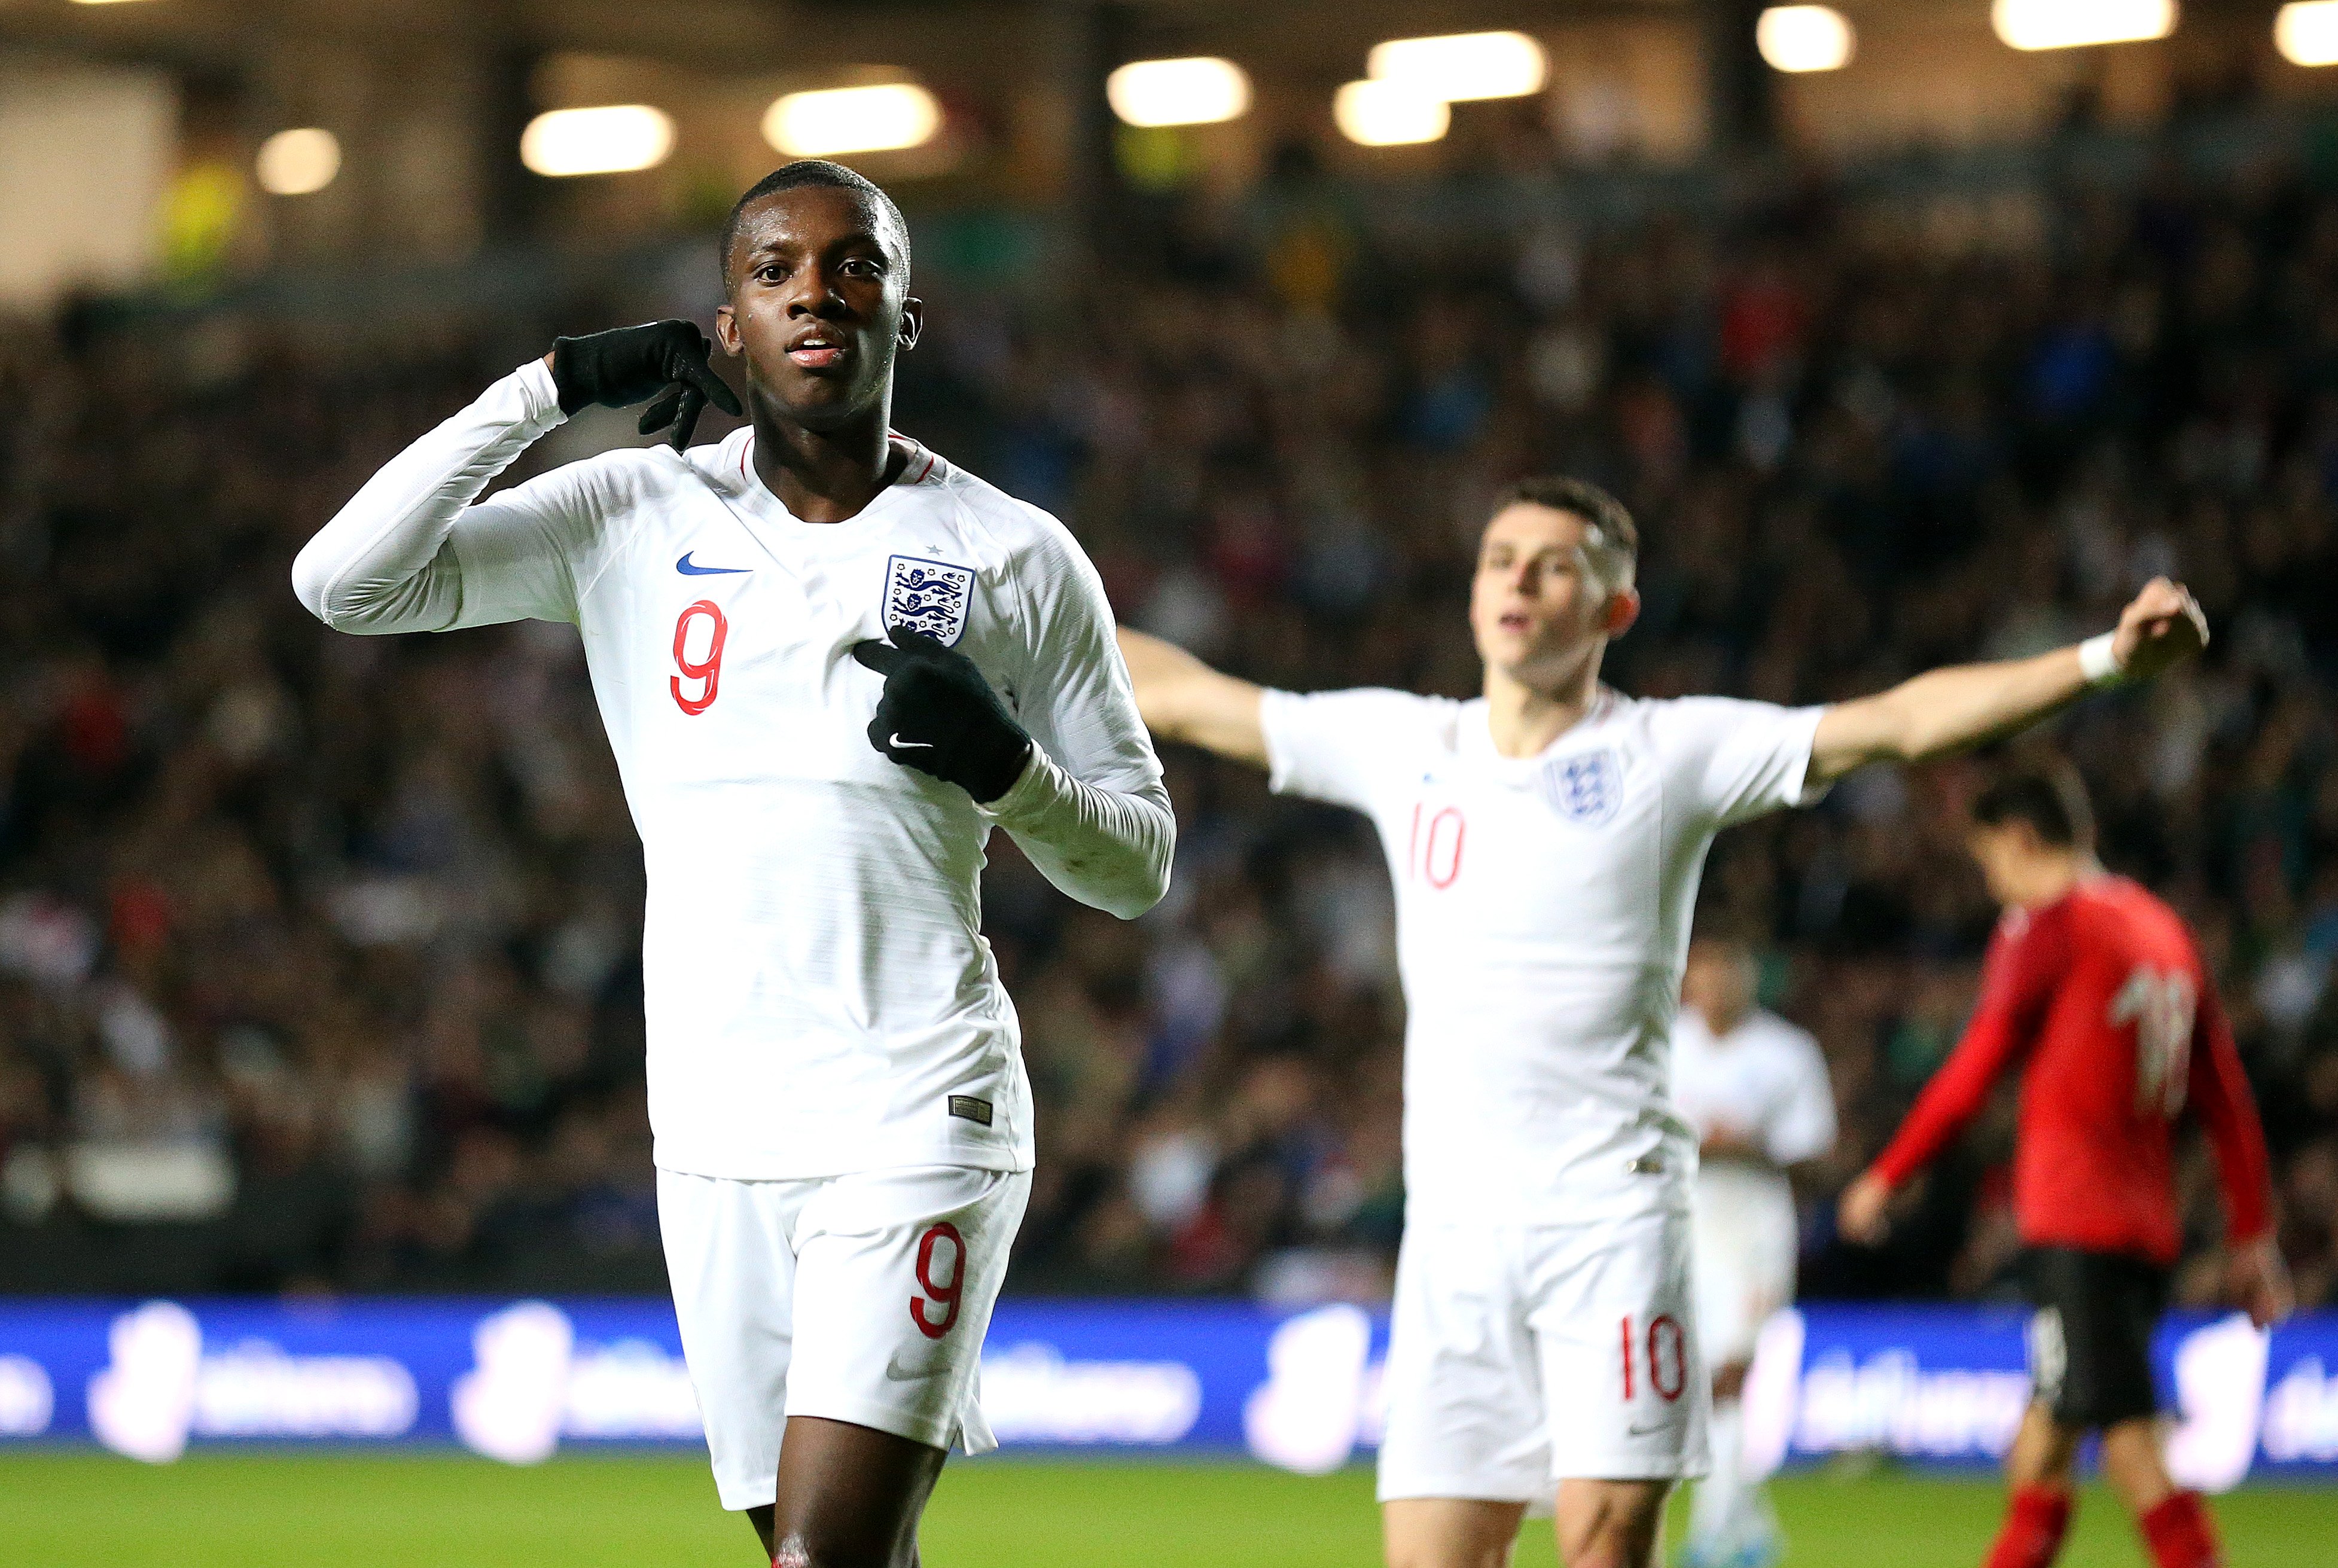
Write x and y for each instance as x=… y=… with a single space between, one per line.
x=2031 y=1536
x=2180 y=1534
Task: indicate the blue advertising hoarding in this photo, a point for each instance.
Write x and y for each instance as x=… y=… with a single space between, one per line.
x=520 y=1381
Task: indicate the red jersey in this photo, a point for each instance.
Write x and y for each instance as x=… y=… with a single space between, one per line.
x=2102 y=997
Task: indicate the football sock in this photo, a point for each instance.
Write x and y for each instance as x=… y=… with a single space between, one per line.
x=1717 y=1519
x=2180 y=1534
x=2035 y=1517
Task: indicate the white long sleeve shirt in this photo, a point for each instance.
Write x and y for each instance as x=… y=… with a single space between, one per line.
x=820 y=998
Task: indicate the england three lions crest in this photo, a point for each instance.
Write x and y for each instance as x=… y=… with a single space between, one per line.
x=1586 y=788
x=928 y=597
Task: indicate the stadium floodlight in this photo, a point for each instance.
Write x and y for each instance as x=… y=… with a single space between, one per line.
x=613 y=138
x=1389 y=114
x=1200 y=91
x=822 y=123
x=1799 y=38
x=297 y=163
x=1455 y=66
x=2306 y=32
x=2075 y=23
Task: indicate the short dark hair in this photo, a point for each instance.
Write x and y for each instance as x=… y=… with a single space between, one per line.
x=2049 y=796
x=1618 y=535
x=814 y=171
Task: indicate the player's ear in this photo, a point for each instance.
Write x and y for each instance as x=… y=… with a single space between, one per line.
x=913 y=322
x=726 y=330
x=1623 y=610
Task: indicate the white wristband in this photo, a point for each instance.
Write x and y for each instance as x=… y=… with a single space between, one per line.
x=2099 y=660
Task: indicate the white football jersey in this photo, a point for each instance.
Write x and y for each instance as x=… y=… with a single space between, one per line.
x=1766 y=1079
x=1543 y=913
x=819 y=999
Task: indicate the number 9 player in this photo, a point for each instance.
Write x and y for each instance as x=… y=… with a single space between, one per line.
x=830 y=662
x=1546 y=841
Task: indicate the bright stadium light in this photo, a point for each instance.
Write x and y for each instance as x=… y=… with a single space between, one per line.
x=297 y=163
x=1798 y=38
x=2074 y=23
x=1389 y=114
x=613 y=138
x=2306 y=32
x=1202 y=91
x=1460 y=65
x=837 y=119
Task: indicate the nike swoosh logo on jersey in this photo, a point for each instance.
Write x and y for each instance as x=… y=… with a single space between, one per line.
x=689 y=568
x=897 y=1373
x=1647 y=1431
x=901 y=745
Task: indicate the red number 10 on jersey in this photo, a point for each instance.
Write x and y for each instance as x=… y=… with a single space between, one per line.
x=1434 y=853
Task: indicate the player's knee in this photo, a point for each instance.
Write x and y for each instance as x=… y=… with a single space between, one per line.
x=1449 y=1554
x=803 y=1549
x=1612 y=1547
x=1621 y=1534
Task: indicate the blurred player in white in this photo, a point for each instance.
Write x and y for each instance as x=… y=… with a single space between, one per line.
x=829 y=662
x=1546 y=840
x=1755 y=1090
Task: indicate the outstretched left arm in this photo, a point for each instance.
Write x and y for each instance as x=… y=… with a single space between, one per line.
x=1949 y=709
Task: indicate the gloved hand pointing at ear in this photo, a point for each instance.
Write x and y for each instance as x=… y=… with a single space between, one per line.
x=663 y=359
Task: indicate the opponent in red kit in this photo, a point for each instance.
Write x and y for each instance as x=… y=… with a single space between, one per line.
x=2096 y=989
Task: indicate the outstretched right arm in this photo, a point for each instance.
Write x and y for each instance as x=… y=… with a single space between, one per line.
x=1184 y=699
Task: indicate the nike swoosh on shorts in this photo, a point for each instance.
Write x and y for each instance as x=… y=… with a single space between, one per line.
x=896 y=1373
x=901 y=745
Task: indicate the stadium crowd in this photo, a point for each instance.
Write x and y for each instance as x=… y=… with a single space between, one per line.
x=318 y=953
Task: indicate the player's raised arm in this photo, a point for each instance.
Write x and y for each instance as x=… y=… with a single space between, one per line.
x=1949 y=709
x=411 y=552
x=1184 y=699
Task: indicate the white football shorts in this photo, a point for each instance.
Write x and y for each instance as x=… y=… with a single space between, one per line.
x=1745 y=1244
x=1520 y=1356
x=862 y=1298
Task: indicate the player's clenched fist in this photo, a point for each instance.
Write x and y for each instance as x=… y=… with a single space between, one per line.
x=663 y=359
x=2163 y=626
x=940 y=716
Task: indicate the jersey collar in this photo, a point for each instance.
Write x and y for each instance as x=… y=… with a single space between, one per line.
x=1477 y=737
x=734 y=471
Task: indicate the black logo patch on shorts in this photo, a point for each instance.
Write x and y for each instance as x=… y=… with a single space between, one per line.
x=970 y=1108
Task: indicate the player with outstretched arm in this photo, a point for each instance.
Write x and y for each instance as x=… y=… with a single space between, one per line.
x=830 y=662
x=1546 y=841
x=2096 y=991
x=1755 y=1090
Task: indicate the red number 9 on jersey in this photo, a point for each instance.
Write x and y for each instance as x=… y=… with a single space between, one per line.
x=708 y=670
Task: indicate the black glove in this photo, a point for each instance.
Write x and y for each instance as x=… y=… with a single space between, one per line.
x=663 y=359
x=940 y=716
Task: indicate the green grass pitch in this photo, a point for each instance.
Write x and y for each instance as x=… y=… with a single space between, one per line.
x=334 y=1511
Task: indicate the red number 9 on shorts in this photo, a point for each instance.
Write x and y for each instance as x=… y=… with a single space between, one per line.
x=943 y=1294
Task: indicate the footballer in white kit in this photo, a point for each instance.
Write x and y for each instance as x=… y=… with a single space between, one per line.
x=1755 y=1088
x=829 y=662
x=1546 y=841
